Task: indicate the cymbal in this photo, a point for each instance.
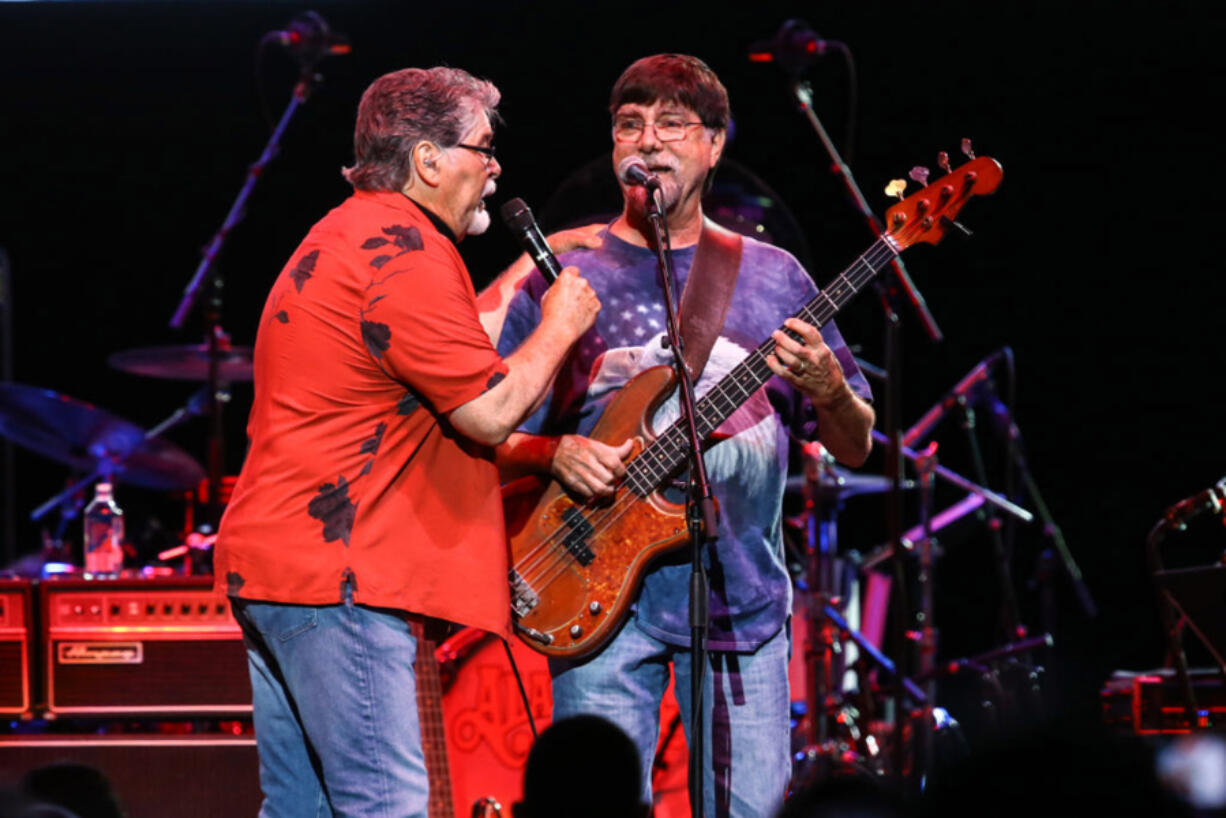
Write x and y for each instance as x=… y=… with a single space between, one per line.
x=187 y=363
x=84 y=437
x=839 y=482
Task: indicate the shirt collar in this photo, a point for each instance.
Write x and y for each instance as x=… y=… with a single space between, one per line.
x=439 y=224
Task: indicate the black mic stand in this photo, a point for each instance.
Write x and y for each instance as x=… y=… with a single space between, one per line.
x=1010 y=615
x=890 y=297
x=216 y=336
x=1050 y=530
x=699 y=503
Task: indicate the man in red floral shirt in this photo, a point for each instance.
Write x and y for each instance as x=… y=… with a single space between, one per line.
x=369 y=494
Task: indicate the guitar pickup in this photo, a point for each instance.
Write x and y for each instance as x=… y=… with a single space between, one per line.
x=576 y=540
x=523 y=598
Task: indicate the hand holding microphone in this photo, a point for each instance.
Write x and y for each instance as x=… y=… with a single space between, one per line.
x=517 y=216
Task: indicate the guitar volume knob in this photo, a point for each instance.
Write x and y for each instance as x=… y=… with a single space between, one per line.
x=594 y=608
x=575 y=631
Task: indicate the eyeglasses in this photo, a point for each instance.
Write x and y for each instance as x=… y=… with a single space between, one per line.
x=667 y=129
x=488 y=153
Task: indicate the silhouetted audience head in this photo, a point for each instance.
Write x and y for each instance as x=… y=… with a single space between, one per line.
x=582 y=765
x=79 y=788
x=17 y=805
x=844 y=796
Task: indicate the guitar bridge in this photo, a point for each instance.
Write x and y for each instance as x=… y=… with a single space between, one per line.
x=523 y=598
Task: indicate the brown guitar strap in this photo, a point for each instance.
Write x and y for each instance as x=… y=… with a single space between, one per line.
x=708 y=292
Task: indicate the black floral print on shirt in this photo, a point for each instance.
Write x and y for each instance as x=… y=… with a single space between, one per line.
x=303 y=270
x=332 y=506
x=406 y=239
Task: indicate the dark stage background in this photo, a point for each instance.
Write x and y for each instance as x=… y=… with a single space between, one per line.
x=127 y=129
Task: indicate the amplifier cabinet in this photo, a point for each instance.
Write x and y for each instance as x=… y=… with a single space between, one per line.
x=15 y=641
x=165 y=646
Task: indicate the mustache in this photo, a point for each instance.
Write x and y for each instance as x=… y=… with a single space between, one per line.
x=659 y=163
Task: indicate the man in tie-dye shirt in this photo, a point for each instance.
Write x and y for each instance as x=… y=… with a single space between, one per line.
x=672 y=112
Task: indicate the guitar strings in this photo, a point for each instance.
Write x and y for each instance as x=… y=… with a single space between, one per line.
x=538 y=576
x=534 y=574
x=891 y=247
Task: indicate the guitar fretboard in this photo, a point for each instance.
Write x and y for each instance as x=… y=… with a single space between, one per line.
x=668 y=451
x=433 y=739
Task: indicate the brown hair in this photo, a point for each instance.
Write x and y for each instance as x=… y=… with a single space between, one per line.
x=674 y=78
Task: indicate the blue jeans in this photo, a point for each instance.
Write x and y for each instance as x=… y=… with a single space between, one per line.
x=746 y=760
x=335 y=710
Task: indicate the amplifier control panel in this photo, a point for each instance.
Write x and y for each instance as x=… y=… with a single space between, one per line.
x=149 y=609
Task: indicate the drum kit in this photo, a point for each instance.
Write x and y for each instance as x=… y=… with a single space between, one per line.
x=97 y=445
x=856 y=710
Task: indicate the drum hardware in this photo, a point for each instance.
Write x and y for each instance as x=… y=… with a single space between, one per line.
x=952 y=477
x=940 y=521
x=188 y=363
x=978 y=388
x=217 y=354
x=978 y=382
x=195 y=541
x=487 y=808
x=113 y=449
x=91 y=440
x=1009 y=688
x=831 y=734
x=1190 y=597
x=836 y=734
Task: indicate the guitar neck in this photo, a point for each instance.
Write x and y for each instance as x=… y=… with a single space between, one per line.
x=669 y=450
x=433 y=739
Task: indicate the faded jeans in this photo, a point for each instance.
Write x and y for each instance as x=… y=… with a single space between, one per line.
x=335 y=710
x=746 y=760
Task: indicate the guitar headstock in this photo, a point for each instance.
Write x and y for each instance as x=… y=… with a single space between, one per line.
x=926 y=215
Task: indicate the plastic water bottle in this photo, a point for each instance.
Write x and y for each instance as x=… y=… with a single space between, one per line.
x=103 y=534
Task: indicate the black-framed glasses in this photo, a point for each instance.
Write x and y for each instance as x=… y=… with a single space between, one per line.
x=488 y=153
x=667 y=128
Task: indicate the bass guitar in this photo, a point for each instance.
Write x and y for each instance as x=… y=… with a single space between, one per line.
x=576 y=566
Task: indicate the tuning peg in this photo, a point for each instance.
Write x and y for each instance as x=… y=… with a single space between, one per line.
x=967 y=149
x=895 y=188
x=919 y=175
x=943 y=161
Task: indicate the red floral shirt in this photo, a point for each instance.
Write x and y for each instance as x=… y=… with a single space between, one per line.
x=369 y=337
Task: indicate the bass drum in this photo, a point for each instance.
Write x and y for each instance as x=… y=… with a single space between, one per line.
x=488 y=734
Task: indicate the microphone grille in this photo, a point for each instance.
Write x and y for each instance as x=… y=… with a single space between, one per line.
x=516 y=215
x=627 y=166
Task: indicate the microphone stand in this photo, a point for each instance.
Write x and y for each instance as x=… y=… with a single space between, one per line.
x=700 y=503
x=1009 y=612
x=215 y=335
x=1050 y=529
x=890 y=296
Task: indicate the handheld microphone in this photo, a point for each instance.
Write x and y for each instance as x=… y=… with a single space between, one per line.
x=517 y=216
x=960 y=392
x=633 y=171
x=309 y=39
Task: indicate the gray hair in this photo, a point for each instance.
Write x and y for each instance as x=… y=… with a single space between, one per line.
x=404 y=108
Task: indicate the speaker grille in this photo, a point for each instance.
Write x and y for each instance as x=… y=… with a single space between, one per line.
x=195 y=675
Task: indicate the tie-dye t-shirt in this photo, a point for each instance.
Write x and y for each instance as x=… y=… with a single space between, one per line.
x=751 y=591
